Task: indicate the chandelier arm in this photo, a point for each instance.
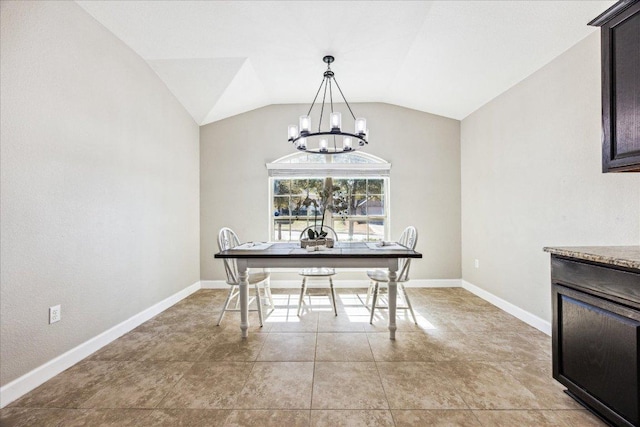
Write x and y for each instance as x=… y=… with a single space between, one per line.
x=345 y=99
x=324 y=96
x=359 y=137
x=315 y=97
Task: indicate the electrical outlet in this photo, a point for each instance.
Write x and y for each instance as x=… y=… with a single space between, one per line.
x=55 y=314
x=477 y=263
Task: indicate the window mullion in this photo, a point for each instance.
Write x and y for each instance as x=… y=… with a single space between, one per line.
x=359 y=189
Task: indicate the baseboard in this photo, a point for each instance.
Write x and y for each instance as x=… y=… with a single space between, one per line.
x=433 y=283
x=514 y=310
x=292 y=284
x=43 y=373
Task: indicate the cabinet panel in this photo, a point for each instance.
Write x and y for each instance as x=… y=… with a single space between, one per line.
x=621 y=87
x=596 y=335
x=615 y=285
x=620 y=36
x=599 y=353
x=625 y=62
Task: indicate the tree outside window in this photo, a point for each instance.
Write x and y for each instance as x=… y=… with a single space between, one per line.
x=357 y=207
x=358 y=183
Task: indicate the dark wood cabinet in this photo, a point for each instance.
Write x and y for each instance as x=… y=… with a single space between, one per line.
x=620 y=37
x=596 y=336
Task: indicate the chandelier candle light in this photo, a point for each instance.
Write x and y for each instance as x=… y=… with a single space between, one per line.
x=334 y=140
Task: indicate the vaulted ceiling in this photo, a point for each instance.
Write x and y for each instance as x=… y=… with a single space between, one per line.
x=221 y=58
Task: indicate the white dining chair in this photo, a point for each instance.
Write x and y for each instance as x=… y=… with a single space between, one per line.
x=228 y=239
x=318 y=272
x=380 y=278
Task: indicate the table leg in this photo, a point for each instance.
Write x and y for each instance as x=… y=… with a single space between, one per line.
x=393 y=299
x=243 y=275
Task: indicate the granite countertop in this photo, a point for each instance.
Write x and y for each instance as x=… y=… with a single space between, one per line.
x=622 y=256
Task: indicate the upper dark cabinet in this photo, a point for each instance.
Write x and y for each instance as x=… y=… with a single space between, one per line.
x=620 y=35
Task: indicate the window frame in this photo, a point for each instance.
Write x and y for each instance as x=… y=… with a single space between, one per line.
x=366 y=166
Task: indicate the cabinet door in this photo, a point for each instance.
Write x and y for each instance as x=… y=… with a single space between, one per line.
x=621 y=92
x=596 y=353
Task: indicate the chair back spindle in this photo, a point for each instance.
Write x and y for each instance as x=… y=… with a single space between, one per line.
x=228 y=239
x=409 y=238
x=331 y=233
x=322 y=272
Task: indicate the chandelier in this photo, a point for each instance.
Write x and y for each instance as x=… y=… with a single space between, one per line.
x=333 y=140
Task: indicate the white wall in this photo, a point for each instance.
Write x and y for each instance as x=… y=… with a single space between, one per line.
x=424 y=151
x=99 y=184
x=531 y=177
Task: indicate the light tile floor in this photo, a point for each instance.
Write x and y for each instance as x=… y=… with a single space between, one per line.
x=465 y=364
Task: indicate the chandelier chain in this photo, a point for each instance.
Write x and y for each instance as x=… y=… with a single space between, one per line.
x=324 y=96
x=316 y=97
x=345 y=99
x=335 y=147
x=330 y=95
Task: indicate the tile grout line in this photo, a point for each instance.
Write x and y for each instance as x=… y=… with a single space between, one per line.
x=313 y=375
x=174 y=386
x=375 y=362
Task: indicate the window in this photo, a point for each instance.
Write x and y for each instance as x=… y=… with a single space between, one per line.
x=359 y=186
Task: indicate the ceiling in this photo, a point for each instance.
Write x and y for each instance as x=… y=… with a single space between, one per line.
x=222 y=58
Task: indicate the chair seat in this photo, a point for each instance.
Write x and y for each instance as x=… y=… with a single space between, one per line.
x=317 y=272
x=380 y=276
x=257 y=277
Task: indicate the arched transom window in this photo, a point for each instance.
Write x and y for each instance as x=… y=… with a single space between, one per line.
x=349 y=192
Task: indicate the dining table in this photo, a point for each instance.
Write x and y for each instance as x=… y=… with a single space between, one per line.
x=342 y=255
